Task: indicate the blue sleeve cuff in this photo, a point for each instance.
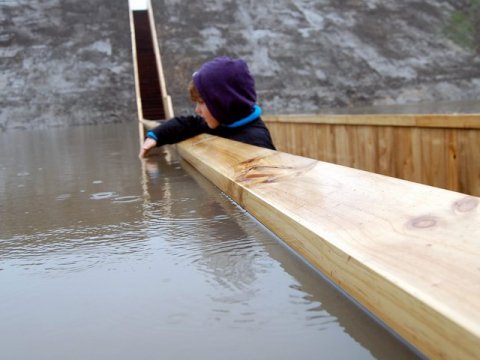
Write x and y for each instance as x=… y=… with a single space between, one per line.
x=152 y=135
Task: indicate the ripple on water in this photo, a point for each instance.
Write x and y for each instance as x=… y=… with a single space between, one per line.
x=114 y=197
x=74 y=248
x=204 y=243
x=63 y=197
x=102 y=195
x=126 y=199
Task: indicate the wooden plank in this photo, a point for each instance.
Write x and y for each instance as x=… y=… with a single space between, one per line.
x=386 y=153
x=464 y=121
x=453 y=174
x=407 y=252
x=138 y=99
x=161 y=77
x=469 y=153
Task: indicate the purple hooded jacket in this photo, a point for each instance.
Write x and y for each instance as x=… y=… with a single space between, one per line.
x=228 y=89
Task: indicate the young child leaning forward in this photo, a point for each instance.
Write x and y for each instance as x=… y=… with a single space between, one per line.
x=224 y=92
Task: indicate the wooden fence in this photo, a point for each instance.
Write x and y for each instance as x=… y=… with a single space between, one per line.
x=437 y=150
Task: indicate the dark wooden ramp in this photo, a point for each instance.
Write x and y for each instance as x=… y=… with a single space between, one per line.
x=148 y=75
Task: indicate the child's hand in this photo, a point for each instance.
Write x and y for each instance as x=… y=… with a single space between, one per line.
x=147 y=145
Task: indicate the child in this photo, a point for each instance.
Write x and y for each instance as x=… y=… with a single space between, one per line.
x=224 y=92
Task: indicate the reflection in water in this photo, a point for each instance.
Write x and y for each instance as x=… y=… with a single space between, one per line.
x=105 y=256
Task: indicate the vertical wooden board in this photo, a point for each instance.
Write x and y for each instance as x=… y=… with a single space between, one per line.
x=355 y=146
x=284 y=137
x=404 y=150
x=331 y=143
x=289 y=143
x=373 y=148
x=288 y=138
x=292 y=136
x=318 y=150
x=327 y=143
x=423 y=150
x=386 y=154
x=474 y=152
x=439 y=163
x=311 y=142
x=415 y=139
x=364 y=137
x=343 y=148
x=402 y=153
x=453 y=171
x=462 y=148
x=302 y=138
x=441 y=158
x=470 y=162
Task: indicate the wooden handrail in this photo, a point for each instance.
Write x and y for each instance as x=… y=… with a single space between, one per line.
x=459 y=121
x=405 y=251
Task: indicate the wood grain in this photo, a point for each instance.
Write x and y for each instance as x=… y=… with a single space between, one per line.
x=407 y=252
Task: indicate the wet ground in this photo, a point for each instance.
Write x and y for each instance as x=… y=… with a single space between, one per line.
x=106 y=257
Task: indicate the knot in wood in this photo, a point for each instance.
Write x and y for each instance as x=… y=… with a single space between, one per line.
x=424 y=222
x=466 y=204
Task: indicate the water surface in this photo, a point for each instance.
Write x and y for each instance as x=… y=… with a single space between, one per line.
x=106 y=257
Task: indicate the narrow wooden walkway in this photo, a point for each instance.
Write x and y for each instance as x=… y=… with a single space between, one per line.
x=148 y=74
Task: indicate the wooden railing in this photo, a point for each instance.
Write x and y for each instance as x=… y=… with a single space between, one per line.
x=437 y=150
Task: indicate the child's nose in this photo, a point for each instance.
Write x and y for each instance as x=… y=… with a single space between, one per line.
x=197 y=109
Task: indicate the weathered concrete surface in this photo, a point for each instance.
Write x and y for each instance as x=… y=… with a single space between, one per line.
x=65 y=62
x=69 y=61
x=309 y=56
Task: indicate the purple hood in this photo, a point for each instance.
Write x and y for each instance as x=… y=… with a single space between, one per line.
x=227 y=87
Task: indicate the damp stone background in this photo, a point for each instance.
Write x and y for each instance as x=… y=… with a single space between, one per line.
x=69 y=62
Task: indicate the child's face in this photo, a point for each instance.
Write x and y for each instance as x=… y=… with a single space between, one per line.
x=202 y=110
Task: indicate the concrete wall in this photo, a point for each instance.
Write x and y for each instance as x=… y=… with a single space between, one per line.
x=65 y=62
x=311 y=56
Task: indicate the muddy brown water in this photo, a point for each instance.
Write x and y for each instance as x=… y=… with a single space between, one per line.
x=106 y=257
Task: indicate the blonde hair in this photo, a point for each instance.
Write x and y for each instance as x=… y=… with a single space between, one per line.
x=194 y=94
